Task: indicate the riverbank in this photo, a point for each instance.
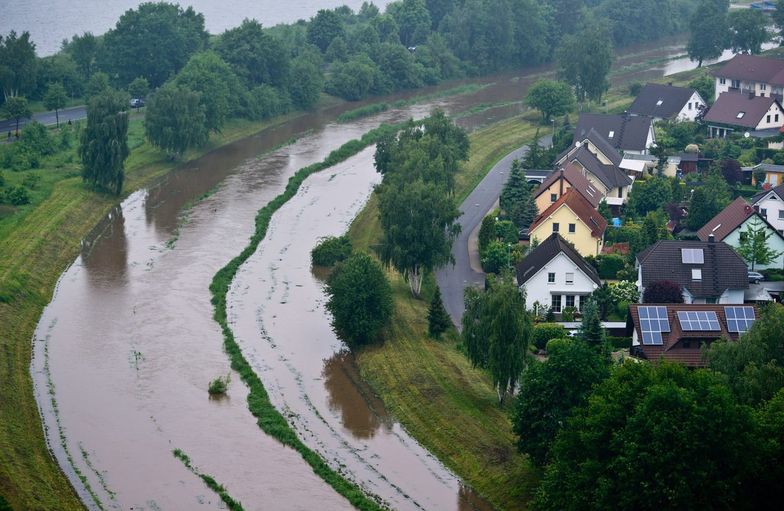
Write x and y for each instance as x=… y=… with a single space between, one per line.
x=36 y=246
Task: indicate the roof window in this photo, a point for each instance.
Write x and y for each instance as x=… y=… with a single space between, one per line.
x=740 y=115
x=611 y=134
x=696 y=274
x=658 y=103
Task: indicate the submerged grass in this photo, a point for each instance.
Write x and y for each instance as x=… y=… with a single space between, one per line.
x=268 y=417
x=212 y=484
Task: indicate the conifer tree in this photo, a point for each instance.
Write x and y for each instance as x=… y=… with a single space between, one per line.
x=516 y=198
x=438 y=320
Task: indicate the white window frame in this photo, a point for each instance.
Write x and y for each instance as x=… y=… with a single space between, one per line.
x=569 y=278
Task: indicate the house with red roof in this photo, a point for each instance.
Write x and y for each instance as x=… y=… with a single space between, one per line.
x=575 y=219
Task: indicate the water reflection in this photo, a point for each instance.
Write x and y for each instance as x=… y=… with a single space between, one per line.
x=362 y=412
x=105 y=251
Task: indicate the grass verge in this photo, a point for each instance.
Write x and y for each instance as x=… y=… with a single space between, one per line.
x=212 y=484
x=268 y=417
x=37 y=243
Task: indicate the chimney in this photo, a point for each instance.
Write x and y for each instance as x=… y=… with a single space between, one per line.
x=711 y=238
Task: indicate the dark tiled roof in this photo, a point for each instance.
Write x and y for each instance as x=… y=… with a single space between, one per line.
x=660 y=101
x=610 y=175
x=580 y=206
x=607 y=149
x=722 y=269
x=730 y=104
x=673 y=348
x=727 y=220
x=778 y=190
x=546 y=252
x=753 y=68
x=574 y=176
x=630 y=132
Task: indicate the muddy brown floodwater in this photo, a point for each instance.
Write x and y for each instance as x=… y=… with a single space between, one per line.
x=123 y=354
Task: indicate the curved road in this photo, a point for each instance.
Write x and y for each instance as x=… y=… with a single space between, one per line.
x=452 y=279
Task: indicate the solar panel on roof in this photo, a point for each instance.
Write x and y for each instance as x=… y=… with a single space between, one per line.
x=705 y=321
x=739 y=319
x=653 y=321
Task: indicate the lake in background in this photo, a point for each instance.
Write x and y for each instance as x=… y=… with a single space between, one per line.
x=51 y=21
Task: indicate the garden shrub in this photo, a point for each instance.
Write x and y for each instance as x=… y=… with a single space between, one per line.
x=331 y=250
x=544 y=332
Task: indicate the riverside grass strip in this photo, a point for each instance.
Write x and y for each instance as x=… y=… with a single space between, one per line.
x=268 y=417
x=212 y=484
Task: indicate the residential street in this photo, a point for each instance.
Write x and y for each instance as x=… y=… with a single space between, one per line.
x=453 y=279
x=46 y=118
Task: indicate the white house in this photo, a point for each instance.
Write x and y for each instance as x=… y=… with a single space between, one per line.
x=770 y=204
x=751 y=74
x=733 y=223
x=744 y=113
x=668 y=102
x=708 y=272
x=555 y=275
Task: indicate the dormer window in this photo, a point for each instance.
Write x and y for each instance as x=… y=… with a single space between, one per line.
x=740 y=115
x=611 y=134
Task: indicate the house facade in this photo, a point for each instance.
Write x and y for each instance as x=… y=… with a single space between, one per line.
x=743 y=113
x=574 y=218
x=553 y=274
x=668 y=102
x=677 y=332
x=751 y=74
x=774 y=174
x=770 y=204
x=733 y=224
x=708 y=272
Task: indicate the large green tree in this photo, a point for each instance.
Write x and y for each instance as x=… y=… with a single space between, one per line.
x=516 y=200
x=207 y=74
x=653 y=437
x=17 y=108
x=154 y=41
x=18 y=64
x=747 y=30
x=84 y=51
x=104 y=143
x=360 y=300
x=552 y=98
x=497 y=331
x=584 y=60
x=754 y=245
x=649 y=195
x=139 y=87
x=306 y=82
x=55 y=99
x=708 y=30
x=419 y=224
x=551 y=390
x=413 y=20
x=325 y=26
x=256 y=56
x=175 y=120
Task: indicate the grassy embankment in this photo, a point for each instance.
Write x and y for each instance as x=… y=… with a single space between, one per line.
x=37 y=243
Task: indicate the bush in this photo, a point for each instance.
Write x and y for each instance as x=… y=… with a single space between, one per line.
x=36 y=137
x=634 y=89
x=620 y=343
x=609 y=265
x=30 y=181
x=568 y=313
x=2 y=179
x=624 y=291
x=331 y=250
x=16 y=195
x=544 y=332
x=219 y=385
x=770 y=274
x=266 y=101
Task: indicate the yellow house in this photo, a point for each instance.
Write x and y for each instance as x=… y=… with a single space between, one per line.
x=576 y=220
x=563 y=180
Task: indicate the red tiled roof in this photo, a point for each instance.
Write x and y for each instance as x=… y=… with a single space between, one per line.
x=580 y=206
x=727 y=220
x=673 y=348
x=574 y=176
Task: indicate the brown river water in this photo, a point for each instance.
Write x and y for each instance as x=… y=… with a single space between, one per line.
x=124 y=352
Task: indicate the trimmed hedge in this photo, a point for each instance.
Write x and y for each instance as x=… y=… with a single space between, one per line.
x=268 y=417
x=543 y=332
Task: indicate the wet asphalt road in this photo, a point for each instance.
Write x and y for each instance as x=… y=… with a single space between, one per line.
x=46 y=118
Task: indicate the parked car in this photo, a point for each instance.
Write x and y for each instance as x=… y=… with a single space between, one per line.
x=137 y=103
x=755 y=277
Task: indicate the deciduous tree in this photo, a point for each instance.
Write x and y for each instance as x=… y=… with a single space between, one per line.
x=754 y=245
x=139 y=87
x=552 y=98
x=104 y=144
x=709 y=28
x=325 y=26
x=360 y=300
x=175 y=120
x=18 y=64
x=255 y=56
x=16 y=108
x=584 y=60
x=55 y=99
x=747 y=30
x=306 y=82
x=217 y=85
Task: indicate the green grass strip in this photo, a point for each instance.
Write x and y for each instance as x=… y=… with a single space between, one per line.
x=268 y=417
x=363 y=111
x=213 y=485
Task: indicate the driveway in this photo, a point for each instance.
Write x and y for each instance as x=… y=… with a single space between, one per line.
x=453 y=279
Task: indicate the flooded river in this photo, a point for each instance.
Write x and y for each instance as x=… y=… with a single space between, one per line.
x=124 y=352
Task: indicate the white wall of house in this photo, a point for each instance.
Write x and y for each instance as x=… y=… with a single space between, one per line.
x=732 y=296
x=759 y=88
x=775 y=242
x=772 y=208
x=691 y=108
x=773 y=119
x=538 y=288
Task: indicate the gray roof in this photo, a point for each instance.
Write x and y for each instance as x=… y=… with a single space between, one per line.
x=546 y=252
x=778 y=190
x=722 y=268
x=601 y=143
x=730 y=105
x=630 y=132
x=660 y=101
x=753 y=68
x=610 y=175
